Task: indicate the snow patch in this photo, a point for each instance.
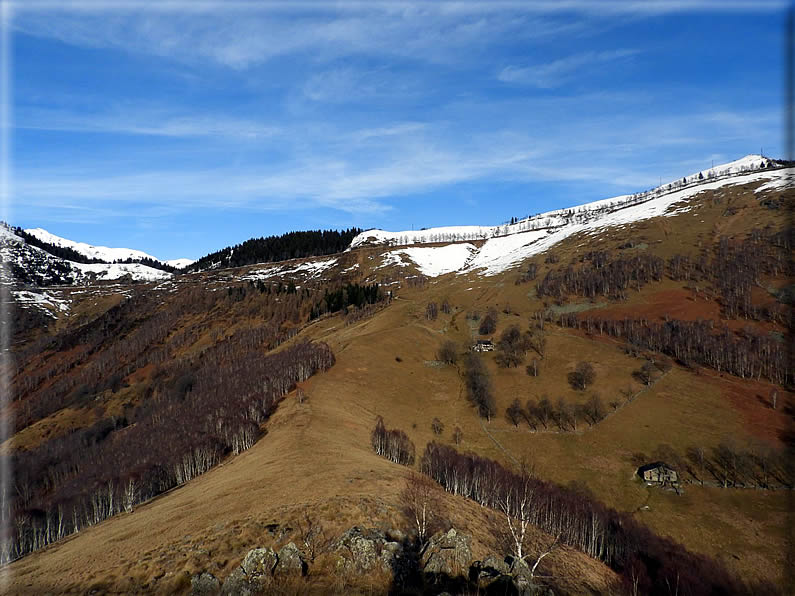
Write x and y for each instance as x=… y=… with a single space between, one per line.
x=777 y=183
x=102 y=253
x=309 y=269
x=313 y=268
x=108 y=272
x=44 y=301
x=740 y=171
x=393 y=259
x=179 y=263
x=508 y=245
x=438 y=260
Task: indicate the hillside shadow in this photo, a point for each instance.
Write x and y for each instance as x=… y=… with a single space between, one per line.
x=410 y=579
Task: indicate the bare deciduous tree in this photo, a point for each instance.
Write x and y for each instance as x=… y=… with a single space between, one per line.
x=458 y=435
x=422 y=504
x=516 y=503
x=431 y=311
x=544 y=548
x=532 y=368
x=583 y=375
x=448 y=352
x=437 y=427
x=313 y=536
x=514 y=412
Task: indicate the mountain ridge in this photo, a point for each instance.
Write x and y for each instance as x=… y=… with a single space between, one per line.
x=494 y=256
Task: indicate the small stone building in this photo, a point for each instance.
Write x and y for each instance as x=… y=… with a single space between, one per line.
x=658 y=473
x=483 y=345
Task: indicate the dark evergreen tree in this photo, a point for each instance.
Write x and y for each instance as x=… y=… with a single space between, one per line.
x=292 y=245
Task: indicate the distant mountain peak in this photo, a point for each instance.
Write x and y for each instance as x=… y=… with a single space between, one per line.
x=102 y=253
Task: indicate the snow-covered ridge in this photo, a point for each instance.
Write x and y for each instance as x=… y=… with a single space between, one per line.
x=562 y=217
x=179 y=263
x=102 y=253
x=111 y=271
x=508 y=245
x=43 y=269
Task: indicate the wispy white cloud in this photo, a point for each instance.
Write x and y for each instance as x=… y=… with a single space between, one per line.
x=248 y=35
x=347 y=85
x=307 y=148
x=136 y=121
x=376 y=165
x=556 y=73
x=398 y=129
x=240 y=35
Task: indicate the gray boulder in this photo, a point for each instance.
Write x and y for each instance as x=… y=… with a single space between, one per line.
x=447 y=553
x=290 y=561
x=259 y=562
x=239 y=584
x=365 y=549
x=254 y=574
x=205 y=584
x=522 y=579
x=491 y=567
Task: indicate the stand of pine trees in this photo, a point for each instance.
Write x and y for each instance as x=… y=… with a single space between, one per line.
x=293 y=245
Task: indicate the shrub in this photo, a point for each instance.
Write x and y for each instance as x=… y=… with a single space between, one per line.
x=448 y=352
x=583 y=375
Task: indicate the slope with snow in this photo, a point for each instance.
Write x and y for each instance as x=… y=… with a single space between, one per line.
x=44 y=301
x=179 y=263
x=102 y=253
x=433 y=260
x=33 y=265
x=307 y=270
x=507 y=245
x=111 y=271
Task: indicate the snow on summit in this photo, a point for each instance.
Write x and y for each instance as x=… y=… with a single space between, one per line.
x=102 y=253
x=504 y=246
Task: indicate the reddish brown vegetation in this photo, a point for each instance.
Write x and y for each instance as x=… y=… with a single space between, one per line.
x=198 y=412
x=747 y=355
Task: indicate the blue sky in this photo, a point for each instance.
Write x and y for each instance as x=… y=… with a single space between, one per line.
x=181 y=128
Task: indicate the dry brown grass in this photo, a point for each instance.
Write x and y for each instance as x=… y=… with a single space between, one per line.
x=316 y=456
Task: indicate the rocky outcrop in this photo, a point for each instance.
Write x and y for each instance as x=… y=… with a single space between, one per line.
x=256 y=572
x=239 y=583
x=205 y=584
x=365 y=549
x=489 y=568
x=259 y=561
x=447 y=553
x=446 y=560
x=290 y=561
x=522 y=578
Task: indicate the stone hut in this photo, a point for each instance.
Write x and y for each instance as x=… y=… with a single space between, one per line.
x=658 y=473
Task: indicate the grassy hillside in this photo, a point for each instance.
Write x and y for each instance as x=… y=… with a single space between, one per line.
x=315 y=456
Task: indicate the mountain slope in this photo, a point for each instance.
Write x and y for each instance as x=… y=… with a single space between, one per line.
x=34 y=265
x=103 y=253
x=315 y=456
x=507 y=245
